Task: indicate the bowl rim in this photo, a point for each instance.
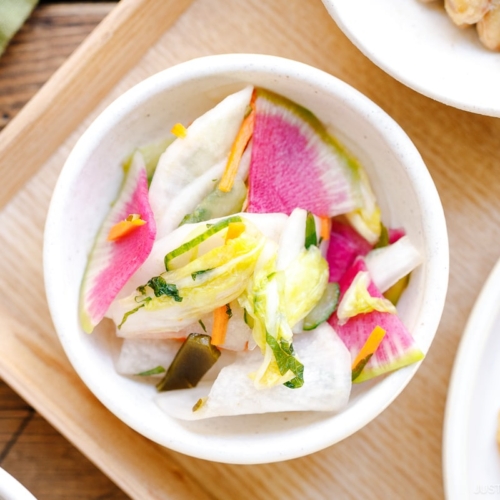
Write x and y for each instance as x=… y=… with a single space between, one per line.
x=377 y=398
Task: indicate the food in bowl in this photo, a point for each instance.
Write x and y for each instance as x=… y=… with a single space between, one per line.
x=88 y=186
x=246 y=264
x=485 y=14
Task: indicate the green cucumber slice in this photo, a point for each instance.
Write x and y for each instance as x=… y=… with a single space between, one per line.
x=219 y=226
x=218 y=204
x=324 y=308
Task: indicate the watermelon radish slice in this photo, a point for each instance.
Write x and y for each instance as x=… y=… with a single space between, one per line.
x=112 y=263
x=397 y=348
x=345 y=245
x=296 y=163
x=395 y=234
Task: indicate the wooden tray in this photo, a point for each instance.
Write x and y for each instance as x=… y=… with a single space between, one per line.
x=399 y=454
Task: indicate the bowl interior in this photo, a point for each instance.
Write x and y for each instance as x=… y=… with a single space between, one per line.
x=90 y=180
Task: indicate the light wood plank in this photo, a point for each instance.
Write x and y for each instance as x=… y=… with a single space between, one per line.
x=68 y=405
x=52 y=469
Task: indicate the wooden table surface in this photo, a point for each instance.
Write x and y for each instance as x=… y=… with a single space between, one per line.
x=30 y=448
x=398 y=455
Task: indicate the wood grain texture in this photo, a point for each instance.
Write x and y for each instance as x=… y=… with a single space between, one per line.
x=396 y=456
x=30 y=449
x=46 y=40
x=115 y=46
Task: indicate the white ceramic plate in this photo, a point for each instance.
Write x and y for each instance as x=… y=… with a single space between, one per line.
x=11 y=489
x=471 y=456
x=419 y=45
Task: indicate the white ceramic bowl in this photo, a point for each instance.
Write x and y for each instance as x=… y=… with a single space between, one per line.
x=90 y=179
x=419 y=45
x=11 y=489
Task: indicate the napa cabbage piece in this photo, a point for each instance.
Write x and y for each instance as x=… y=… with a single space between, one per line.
x=270 y=225
x=276 y=300
x=178 y=297
x=357 y=300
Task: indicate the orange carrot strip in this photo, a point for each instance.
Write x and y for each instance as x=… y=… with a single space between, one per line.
x=124 y=227
x=234 y=229
x=368 y=349
x=219 y=330
x=179 y=130
x=325 y=228
x=237 y=149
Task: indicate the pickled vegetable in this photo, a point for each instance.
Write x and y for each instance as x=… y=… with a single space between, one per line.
x=195 y=357
x=218 y=204
x=324 y=308
x=311 y=238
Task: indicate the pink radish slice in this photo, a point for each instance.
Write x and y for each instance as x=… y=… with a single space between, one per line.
x=345 y=245
x=396 y=350
x=296 y=163
x=396 y=234
x=112 y=263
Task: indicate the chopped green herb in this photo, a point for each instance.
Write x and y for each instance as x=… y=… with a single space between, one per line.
x=203 y=325
x=286 y=360
x=229 y=312
x=153 y=371
x=198 y=273
x=127 y=314
x=161 y=287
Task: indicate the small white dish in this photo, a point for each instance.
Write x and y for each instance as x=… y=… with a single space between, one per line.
x=11 y=489
x=471 y=455
x=419 y=45
x=89 y=182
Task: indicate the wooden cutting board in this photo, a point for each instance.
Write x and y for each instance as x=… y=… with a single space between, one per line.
x=396 y=456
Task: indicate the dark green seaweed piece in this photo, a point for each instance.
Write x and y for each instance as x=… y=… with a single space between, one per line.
x=195 y=357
